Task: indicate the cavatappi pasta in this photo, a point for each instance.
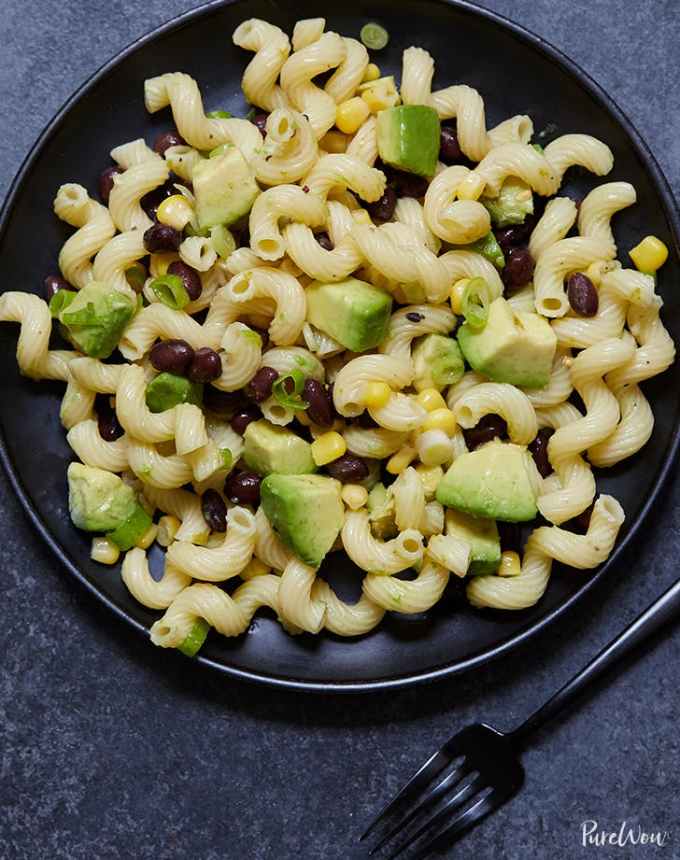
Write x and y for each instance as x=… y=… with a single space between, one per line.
x=353 y=321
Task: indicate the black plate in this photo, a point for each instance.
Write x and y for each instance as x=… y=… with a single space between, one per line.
x=516 y=72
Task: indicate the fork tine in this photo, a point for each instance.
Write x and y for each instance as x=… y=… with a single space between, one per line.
x=429 y=798
x=464 y=821
x=457 y=800
x=423 y=777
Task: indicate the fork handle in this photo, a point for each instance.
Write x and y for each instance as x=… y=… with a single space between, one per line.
x=652 y=619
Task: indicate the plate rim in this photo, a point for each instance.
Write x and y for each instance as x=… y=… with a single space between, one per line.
x=661 y=184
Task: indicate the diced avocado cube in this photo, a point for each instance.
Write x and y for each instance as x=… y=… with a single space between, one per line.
x=380 y=504
x=498 y=481
x=353 y=312
x=516 y=347
x=438 y=362
x=126 y=535
x=224 y=187
x=98 y=501
x=306 y=511
x=512 y=205
x=167 y=390
x=94 y=320
x=482 y=535
x=195 y=638
x=488 y=247
x=408 y=138
x=269 y=449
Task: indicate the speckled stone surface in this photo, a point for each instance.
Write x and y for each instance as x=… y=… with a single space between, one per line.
x=109 y=750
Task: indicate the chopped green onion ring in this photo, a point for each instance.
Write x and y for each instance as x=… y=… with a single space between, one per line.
x=219 y=114
x=475 y=303
x=170 y=290
x=290 y=399
x=374 y=36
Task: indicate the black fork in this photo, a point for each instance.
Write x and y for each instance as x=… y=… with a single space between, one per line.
x=478 y=769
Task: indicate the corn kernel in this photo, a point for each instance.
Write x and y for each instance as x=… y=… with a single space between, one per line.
x=457 y=291
x=158 y=263
x=430 y=476
x=401 y=460
x=510 y=564
x=168 y=526
x=175 y=211
x=148 y=537
x=434 y=447
x=354 y=496
x=104 y=551
x=596 y=270
x=649 y=255
x=376 y=394
x=351 y=114
x=372 y=73
x=471 y=187
x=333 y=141
x=361 y=216
x=440 y=419
x=430 y=399
x=379 y=94
x=328 y=447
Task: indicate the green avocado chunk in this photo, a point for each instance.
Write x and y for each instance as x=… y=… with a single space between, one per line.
x=126 y=535
x=98 y=501
x=269 y=449
x=512 y=205
x=438 y=362
x=380 y=504
x=514 y=346
x=306 y=511
x=195 y=638
x=224 y=187
x=353 y=312
x=498 y=481
x=482 y=535
x=489 y=248
x=94 y=320
x=408 y=138
x=167 y=390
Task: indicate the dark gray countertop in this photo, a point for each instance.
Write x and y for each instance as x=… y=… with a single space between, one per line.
x=109 y=749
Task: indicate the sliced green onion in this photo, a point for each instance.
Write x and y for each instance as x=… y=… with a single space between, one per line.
x=288 y=388
x=219 y=114
x=136 y=276
x=191 y=645
x=222 y=240
x=170 y=290
x=475 y=303
x=60 y=300
x=227 y=457
x=219 y=150
x=374 y=36
x=537 y=147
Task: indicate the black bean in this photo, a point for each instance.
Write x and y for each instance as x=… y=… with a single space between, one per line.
x=214 y=510
x=260 y=386
x=172 y=356
x=243 y=488
x=244 y=417
x=222 y=402
x=414 y=317
x=160 y=237
x=53 y=283
x=106 y=181
x=190 y=278
x=260 y=120
x=582 y=294
x=205 y=366
x=539 y=451
x=409 y=185
x=349 y=469
x=383 y=209
x=166 y=140
x=151 y=201
x=449 y=148
x=320 y=408
x=107 y=420
x=516 y=234
x=518 y=269
x=487 y=428
x=325 y=241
